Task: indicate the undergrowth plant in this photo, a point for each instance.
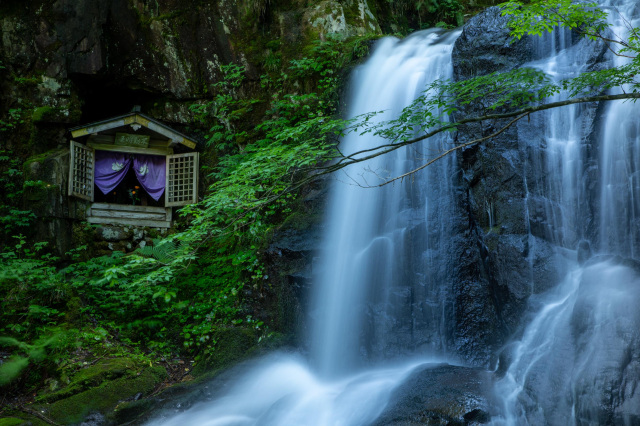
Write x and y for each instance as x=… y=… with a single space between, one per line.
x=13 y=218
x=171 y=296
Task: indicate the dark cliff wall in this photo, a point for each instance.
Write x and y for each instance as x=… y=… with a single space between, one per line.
x=511 y=249
x=66 y=62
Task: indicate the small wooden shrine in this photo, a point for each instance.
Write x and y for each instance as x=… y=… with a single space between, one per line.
x=133 y=169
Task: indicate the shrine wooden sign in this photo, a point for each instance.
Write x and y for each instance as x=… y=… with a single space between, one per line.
x=127 y=139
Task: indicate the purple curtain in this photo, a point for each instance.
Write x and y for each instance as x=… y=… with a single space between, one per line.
x=150 y=170
x=111 y=168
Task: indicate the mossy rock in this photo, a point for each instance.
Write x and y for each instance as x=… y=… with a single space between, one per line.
x=92 y=376
x=41 y=158
x=129 y=410
x=300 y=220
x=233 y=344
x=13 y=421
x=100 y=388
x=73 y=313
x=18 y=418
x=45 y=113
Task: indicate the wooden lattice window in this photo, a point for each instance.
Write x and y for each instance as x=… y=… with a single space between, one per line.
x=182 y=179
x=81 y=171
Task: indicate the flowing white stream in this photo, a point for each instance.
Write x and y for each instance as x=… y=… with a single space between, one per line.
x=575 y=363
x=381 y=290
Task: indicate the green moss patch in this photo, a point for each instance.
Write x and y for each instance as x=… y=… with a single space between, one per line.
x=45 y=113
x=41 y=158
x=18 y=418
x=100 y=388
x=233 y=344
x=12 y=421
x=91 y=376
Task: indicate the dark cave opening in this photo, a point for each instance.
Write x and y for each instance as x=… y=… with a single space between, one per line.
x=104 y=98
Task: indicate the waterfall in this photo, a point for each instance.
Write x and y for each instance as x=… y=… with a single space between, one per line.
x=576 y=361
x=381 y=289
x=620 y=180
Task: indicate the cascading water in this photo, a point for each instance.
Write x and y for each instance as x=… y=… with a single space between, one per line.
x=576 y=362
x=620 y=181
x=381 y=291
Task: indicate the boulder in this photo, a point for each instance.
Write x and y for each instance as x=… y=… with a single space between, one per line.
x=439 y=394
x=96 y=390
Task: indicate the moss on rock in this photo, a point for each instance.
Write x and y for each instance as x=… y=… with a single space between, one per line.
x=45 y=113
x=100 y=388
x=13 y=421
x=20 y=418
x=92 y=376
x=233 y=344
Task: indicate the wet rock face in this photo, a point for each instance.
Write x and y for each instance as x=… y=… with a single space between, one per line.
x=516 y=243
x=485 y=46
x=291 y=261
x=440 y=394
x=604 y=326
x=492 y=289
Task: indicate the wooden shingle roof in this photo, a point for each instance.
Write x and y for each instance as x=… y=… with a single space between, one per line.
x=135 y=120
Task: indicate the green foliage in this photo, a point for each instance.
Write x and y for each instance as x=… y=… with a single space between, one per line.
x=12 y=218
x=541 y=16
x=586 y=18
x=26 y=354
x=443 y=11
x=161 y=250
x=32 y=292
x=15 y=117
x=226 y=111
x=297 y=131
x=11 y=369
x=427 y=13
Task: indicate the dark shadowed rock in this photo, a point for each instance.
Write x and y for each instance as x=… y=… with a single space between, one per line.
x=440 y=394
x=486 y=46
x=584 y=252
x=517 y=232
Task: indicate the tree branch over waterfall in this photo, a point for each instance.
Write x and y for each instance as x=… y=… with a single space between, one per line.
x=298 y=140
x=520 y=113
